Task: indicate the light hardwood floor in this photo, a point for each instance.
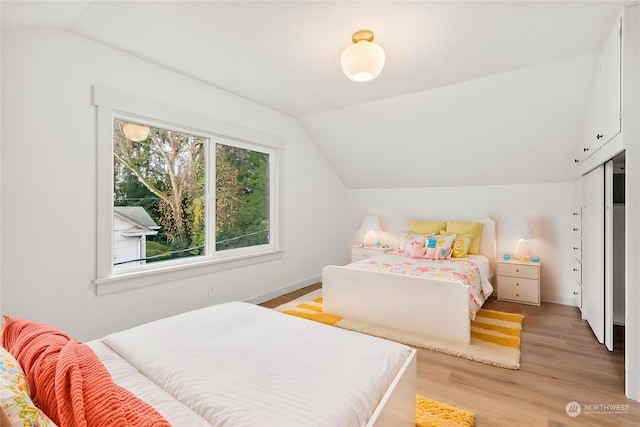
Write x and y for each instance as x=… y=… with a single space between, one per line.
x=561 y=362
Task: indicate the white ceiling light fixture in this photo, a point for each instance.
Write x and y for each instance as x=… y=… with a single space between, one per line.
x=363 y=60
x=135 y=132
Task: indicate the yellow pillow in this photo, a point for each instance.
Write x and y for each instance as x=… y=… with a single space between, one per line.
x=461 y=227
x=426 y=227
x=461 y=244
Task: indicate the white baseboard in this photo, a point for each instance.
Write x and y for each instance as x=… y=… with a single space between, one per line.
x=556 y=299
x=284 y=290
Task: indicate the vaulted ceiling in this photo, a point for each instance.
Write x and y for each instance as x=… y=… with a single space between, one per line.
x=474 y=81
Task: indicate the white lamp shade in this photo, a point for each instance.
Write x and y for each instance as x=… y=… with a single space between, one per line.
x=370 y=223
x=135 y=132
x=362 y=61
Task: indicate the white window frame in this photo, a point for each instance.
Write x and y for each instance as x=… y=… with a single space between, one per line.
x=113 y=104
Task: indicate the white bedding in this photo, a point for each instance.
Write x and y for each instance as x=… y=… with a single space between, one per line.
x=238 y=364
x=485 y=271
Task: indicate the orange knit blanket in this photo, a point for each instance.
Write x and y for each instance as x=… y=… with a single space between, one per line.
x=68 y=381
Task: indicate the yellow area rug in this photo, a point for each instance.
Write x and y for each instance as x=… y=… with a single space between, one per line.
x=495 y=335
x=430 y=413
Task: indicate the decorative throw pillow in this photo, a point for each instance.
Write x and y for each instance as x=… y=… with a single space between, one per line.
x=15 y=397
x=461 y=227
x=419 y=249
x=446 y=245
x=439 y=247
x=407 y=239
x=461 y=244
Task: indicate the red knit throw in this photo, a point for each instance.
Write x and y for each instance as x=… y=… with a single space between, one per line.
x=68 y=381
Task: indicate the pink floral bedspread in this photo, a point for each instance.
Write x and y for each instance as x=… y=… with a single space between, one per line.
x=463 y=270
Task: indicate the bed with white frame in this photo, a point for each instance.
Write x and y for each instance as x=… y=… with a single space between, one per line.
x=228 y=364
x=430 y=307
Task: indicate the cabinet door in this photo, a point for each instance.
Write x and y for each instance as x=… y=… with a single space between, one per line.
x=593 y=252
x=590 y=140
x=610 y=84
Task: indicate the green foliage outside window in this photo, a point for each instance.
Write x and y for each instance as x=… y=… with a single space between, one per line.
x=165 y=174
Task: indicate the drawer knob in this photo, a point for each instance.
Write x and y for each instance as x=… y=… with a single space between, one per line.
x=575 y=293
x=517 y=295
x=575 y=229
x=517 y=271
x=575 y=248
x=517 y=284
x=575 y=269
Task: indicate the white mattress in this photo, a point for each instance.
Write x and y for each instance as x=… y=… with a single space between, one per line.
x=238 y=364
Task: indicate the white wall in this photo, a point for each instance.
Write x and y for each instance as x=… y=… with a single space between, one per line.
x=49 y=188
x=547 y=207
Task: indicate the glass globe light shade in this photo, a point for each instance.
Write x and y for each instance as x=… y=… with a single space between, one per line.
x=135 y=132
x=362 y=61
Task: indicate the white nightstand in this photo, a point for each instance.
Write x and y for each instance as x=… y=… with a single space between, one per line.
x=519 y=281
x=363 y=252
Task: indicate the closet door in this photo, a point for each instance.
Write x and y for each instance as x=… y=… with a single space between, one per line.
x=593 y=251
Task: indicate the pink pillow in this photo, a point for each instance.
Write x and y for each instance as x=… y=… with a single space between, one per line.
x=419 y=249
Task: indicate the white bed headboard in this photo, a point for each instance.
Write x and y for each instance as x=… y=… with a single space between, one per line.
x=487 y=240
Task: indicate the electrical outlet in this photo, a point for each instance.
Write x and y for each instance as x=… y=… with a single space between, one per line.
x=212 y=291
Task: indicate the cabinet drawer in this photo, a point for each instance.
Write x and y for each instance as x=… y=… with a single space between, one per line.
x=518 y=289
x=518 y=270
x=577 y=249
x=577 y=293
x=361 y=253
x=577 y=271
x=577 y=231
x=577 y=215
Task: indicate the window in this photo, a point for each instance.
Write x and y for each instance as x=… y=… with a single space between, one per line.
x=179 y=197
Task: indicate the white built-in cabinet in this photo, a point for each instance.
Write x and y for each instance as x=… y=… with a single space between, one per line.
x=605 y=113
x=593 y=212
x=609 y=288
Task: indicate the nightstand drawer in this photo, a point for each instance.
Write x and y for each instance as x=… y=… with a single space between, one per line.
x=518 y=289
x=359 y=253
x=518 y=270
x=362 y=253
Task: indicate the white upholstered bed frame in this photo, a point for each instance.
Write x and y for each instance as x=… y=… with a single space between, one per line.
x=430 y=307
x=397 y=407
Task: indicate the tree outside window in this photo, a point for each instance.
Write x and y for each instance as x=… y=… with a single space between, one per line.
x=170 y=174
